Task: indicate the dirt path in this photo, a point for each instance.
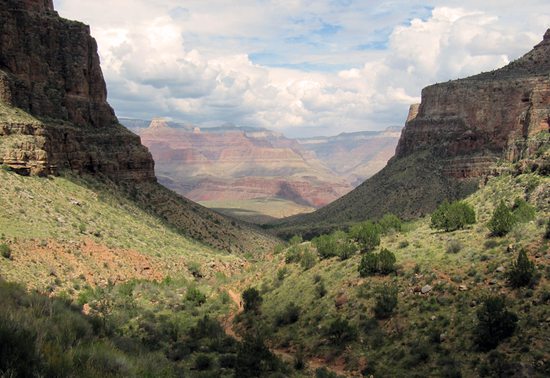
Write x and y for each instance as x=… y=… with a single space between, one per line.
x=284 y=354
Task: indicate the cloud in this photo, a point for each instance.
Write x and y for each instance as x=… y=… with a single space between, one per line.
x=303 y=67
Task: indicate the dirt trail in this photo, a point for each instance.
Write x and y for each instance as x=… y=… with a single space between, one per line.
x=284 y=354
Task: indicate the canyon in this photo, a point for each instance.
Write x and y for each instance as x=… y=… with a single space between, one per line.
x=258 y=174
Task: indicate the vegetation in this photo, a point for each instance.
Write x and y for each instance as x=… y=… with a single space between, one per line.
x=453 y=216
x=372 y=263
x=502 y=221
x=495 y=323
x=367 y=235
x=252 y=300
x=386 y=301
x=5 y=251
x=522 y=271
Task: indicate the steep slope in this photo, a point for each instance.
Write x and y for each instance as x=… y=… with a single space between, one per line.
x=455 y=137
x=54 y=117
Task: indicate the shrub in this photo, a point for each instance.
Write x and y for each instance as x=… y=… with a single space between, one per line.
x=522 y=272
x=293 y=254
x=523 y=212
x=295 y=240
x=289 y=315
x=195 y=296
x=453 y=216
x=340 y=331
x=502 y=220
x=386 y=301
x=253 y=357
x=203 y=362
x=495 y=323
x=368 y=265
x=547 y=233
x=390 y=222
x=281 y=273
x=454 y=246
x=326 y=246
x=252 y=300
x=320 y=289
x=386 y=261
x=323 y=372
x=5 y=251
x=308 y=260
x=367 y=235
x=346 y=249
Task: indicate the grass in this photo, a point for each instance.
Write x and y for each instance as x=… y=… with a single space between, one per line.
x=258 y=210
x=459 y=281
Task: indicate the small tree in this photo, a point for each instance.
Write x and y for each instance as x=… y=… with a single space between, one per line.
x=326 y=245
x=368 y=265
x=502 y=221
x=390 y=222
x=308 y=259
x=495 y=323
x=386 y=301
x=522 y=272
x=252 y=300
x=195 y=296
x=346 y=249
x=453 y=216
x=367 y=235
x=387 y=261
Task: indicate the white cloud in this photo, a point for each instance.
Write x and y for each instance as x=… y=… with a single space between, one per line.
x=350 y=65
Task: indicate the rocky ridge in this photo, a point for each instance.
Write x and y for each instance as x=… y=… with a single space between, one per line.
x=462 y=131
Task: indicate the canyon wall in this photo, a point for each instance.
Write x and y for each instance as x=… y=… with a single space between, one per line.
x=53 y=99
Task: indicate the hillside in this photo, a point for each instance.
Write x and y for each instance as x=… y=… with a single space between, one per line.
x=323 y=311
x=459 y=133
x=55 y=119
x=235 y=169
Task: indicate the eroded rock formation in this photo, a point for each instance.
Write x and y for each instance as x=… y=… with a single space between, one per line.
x=53 y=99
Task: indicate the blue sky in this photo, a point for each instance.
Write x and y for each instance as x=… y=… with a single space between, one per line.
x=303 y=67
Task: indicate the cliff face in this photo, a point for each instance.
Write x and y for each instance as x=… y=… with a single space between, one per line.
x=50 y=72
x=54 y=116
x=455 y=137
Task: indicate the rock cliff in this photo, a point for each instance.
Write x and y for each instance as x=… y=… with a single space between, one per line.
x=54 y=117
x=53 y=99
x=456 y=136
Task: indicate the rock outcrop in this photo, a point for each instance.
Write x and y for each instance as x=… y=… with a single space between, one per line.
x=456 y=135
x=50 y=74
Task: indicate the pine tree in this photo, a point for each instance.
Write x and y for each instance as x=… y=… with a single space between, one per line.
x=522 y=271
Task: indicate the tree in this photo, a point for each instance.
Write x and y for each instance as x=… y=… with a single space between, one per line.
x=495 y=323
x=386 y=301
x=390 y=222
x=386 y=261
x=326 y=246
x=368 y=265
x=453 y=216
x=252 y=300
x=367 y=235
x=502 y=220
x=522 y=271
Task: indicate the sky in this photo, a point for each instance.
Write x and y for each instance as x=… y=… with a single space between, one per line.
x=301 y=67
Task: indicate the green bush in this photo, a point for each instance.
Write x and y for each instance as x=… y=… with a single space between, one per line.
x=522 y=272
x=547 y=233
x=195 y=296
x=308 y=260
x=252 y=300
x=523 y=212
x=387 y=261
x=502 y=220
x=340 y=331
x=5 y=251
x=454 y=246
x=495 y=323
x=369 y=264
x=295 y=240
x=367 y=234
x=289 y=315
x=453 y=216
x=203 y=362
x=390 y=222
x=386 y=301
x=326 y=245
